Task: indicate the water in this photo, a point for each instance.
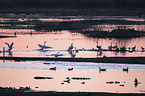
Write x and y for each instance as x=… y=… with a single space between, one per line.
x=65 y=65
x=15 y=74
x=60 y=41
x=26 y=45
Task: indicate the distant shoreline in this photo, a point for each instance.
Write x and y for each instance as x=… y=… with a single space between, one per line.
x=140 y=12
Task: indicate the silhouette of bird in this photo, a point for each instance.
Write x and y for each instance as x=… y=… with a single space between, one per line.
x=135 y=81
x=100 y=52
x=122 y=85
x=43 y=46
x=67 y=78
x=142 y=48
x=70 y=47
x=73 y=55
x=76 y=51
x=117 y=82
x=54 y=68
x=101 y=69
x=99 y=47
x=15 y=33
x=133 y=48
x=10 y=46
x=126 y=69
x=110 y=47
x=68 y=81
x=69 y=69
x=83 y=83
x=123 y=49
x=115 y=45
x=129 y=48
x=110 y=82
x=56 y=55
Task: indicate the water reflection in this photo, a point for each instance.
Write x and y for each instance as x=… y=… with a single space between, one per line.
x=75 y=76
x=108 y=27
x=26 y=45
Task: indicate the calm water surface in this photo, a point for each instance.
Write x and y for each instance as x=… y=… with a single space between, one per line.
x=27 y=45
x=17 y=74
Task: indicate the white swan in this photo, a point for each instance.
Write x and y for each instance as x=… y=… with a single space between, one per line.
x=56 y=55
x=10 y=46
x=43 y=46
x=70 y=47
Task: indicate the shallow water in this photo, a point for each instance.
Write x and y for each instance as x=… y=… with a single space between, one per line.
x=27 y=45
x=17 y=74
x=97 y=83
x=40 y=65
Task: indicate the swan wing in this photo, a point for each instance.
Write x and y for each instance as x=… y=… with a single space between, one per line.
x=47 y=47
x=7 y=44
x=12 y=44
x=52 y=55
x=61 y=54
x=40 y=45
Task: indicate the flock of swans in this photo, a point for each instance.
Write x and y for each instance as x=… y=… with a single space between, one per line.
x=72 y=50
x=116 y=48
x=43 y=47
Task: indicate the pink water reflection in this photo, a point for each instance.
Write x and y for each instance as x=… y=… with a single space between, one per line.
x=97 y=83
x=109 y=27
x=27 y=45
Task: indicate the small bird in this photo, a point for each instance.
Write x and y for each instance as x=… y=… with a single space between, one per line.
x=133 y=48
x=129 y=48
x=15 y=33
x=54 y=68
x=110 y=47
x=125 y=69
x=70 y=47
x=69 y=69
x=110 y=82
x=117 y=82
x=68 y=81
x=73 y=55
x=122 y=85
x=123 y=49
x=76 y=51
x=135 y=81
x=101 y=69
x=142 y=48
x=99 y=47
x=67 y=78
x=83 y=83
x=115 y=46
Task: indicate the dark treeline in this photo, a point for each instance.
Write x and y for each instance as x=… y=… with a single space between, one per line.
x=73 y=4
